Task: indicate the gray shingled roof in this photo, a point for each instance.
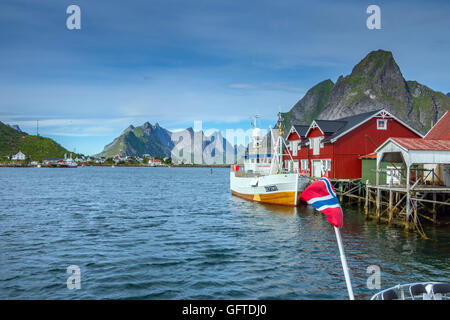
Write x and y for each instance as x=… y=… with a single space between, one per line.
x=330 y=126
x=301 y=130
x=343 y=124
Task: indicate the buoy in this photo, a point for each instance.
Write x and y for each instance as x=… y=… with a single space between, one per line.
x=235 y=167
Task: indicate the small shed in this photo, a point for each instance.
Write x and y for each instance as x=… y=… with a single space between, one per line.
x=369 y=168
x=413 y=152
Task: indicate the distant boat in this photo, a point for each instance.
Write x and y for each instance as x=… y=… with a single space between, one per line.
x=66 y=163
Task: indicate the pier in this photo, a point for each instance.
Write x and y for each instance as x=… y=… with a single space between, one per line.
x=404 y=205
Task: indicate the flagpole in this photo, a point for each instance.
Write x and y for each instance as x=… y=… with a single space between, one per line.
x=344 y=264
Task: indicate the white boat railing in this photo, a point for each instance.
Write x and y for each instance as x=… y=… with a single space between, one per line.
x=415 y=291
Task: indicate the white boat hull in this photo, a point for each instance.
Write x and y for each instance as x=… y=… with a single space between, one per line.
x=282 y=189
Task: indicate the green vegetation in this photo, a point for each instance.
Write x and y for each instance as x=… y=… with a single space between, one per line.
x=318 y=95
x=138 y=132
x=34 y=147
x=323 y=91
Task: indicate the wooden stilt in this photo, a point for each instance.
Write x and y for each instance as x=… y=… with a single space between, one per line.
x=434 y=208
x=390 y=205
x=366 y=204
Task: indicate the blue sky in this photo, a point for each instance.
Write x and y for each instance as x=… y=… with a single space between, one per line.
x=174 y=62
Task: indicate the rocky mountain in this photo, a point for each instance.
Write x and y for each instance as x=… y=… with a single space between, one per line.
x=184 y=146
x=136 y=141
x=13 y=140
x=375 y=82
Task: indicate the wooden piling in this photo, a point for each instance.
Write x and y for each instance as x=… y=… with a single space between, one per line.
x=434 y=208
x=391 y=212
x=366 y=204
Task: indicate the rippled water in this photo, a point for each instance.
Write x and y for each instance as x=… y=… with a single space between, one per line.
x=177 y=233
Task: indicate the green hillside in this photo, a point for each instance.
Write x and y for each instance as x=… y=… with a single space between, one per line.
x=34 y=147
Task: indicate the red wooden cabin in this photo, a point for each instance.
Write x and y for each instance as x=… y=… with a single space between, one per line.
x=334 y=147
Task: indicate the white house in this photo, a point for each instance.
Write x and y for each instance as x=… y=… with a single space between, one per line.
x=19 y=156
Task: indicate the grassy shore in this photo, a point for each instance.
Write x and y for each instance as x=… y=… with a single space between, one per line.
x=26 y=164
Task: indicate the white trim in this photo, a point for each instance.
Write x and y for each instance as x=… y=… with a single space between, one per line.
x=384 y=121
x=435 y=124
x=383 y=113
x=302 y=161
x=293 y=130
x=312 y=126
x=393 y=141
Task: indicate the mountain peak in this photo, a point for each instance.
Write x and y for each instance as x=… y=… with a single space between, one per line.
x=130 y=128
x=376 y=82
x=147 y=125
x=375 y=64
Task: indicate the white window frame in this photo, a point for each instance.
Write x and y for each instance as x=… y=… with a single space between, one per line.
x=294 y=148
x=290 y=165
x=305 y=164
x=296 y=168
x=315 y=145
x=326 y=164
x=384 y=121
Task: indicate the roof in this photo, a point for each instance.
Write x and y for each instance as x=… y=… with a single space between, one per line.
x=422 y=144
x=301 y=130
x=441 y=130
x=330 y=126
x=348 y=123
x=372 y=155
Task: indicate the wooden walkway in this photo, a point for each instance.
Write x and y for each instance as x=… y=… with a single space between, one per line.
x=396 y=204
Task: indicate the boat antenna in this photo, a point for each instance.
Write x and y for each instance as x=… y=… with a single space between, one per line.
x=254 y=120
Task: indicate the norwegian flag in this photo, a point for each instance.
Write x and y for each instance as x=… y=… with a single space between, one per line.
x=320 y=194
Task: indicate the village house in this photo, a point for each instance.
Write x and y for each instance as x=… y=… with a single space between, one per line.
x=335 y=147
x=19 y=156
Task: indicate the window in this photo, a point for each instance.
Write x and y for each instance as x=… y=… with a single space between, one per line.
x=294 y=148
x=326 y=165
x=295 y=166
x=315 y=144
x=381 y=124
x=290 y=166
x=304 y=164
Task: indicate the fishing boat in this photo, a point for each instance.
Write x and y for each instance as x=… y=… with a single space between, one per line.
x=67 y=163
x=416 y=291
x=263 y=178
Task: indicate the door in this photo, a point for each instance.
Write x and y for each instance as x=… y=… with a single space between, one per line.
x=317 y=168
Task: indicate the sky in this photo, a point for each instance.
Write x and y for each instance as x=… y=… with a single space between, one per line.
x=179 y=61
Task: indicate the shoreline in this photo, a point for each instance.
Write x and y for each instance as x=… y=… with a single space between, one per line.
x=2 y=165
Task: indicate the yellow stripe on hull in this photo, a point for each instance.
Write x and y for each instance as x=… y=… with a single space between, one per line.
x=281 y=198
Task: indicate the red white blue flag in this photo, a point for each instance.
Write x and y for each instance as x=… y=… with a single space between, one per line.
x=321 y=195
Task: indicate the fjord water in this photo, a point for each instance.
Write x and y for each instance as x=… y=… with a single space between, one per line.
x=177 y=233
